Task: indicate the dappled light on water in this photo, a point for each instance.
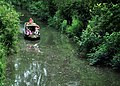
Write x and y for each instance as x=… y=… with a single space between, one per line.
x=33 y=47
x=34 y=75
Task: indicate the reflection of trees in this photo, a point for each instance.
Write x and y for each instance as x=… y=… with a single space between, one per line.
x=32 y=46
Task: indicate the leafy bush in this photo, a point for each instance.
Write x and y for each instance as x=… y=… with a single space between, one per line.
x=115 y=62
x=55 y=21
x=23 y=4
x=9 y=29
x=99 y=24
x=88 y=42
x=63 y=25
x=43 y=9
x=99 y=41
x=40 y=9
x=107 y=50
x=90 y=38
x=109 y=1
x=106 y=17
x=76 y=8
x=75 y=28
x=10 y=25
x=71 y=18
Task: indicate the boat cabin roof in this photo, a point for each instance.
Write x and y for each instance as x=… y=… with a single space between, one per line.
x=32 y=24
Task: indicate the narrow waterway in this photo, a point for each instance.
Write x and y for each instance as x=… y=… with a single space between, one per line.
x=53 y=61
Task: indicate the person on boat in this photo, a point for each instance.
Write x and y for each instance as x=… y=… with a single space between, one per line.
x=28 y=32
x=37 y=29
x=31 y=21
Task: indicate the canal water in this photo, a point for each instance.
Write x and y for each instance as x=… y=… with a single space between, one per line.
x=53 y=61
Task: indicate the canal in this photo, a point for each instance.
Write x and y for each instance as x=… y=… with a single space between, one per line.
x=53 y=61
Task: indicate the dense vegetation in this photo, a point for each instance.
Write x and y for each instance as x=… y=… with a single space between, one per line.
x=93 y=25
x=9 y=24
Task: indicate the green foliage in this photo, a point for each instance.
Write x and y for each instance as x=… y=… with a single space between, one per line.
x=10 y=24
x=76 y=8
x=19 y=3
x=107 y=50
x=40 y=9
x=75 y=27
x=89 y=41
x=109 y=1
x=71 y=18
x=56 y=20
x=99 y=41
x=43 y=9
x=115 y=62
x=9 y=29
x=100 y=23
x=106 y=18
x=63 y=25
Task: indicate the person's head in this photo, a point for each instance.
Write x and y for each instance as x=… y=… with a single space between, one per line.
x=30 y=20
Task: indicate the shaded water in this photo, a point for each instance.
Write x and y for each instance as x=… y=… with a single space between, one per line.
x=52 y=61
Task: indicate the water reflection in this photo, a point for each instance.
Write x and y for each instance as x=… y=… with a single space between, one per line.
x=34 y=75
x=33 y=46
x=73 y=83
